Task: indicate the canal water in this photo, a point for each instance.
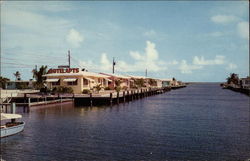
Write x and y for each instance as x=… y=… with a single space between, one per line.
x=199 y=122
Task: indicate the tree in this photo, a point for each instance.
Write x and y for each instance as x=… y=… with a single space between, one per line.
x=98 y=87
x=17 y=75
x=38 y=75
x=234 y=79
x=3 y=82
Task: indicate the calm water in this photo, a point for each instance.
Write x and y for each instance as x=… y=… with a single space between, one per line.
x=200 y=122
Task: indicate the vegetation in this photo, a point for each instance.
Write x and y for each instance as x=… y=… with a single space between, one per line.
x=62 y=89
x=86 y=91
x=17 y=75
x=107 y=88
x=233 y=79
x=38 y=75
x=125 y=88
x=152 y=82
x=98 y=88
x=3 y=82
x=21 y=85
x=117 y=88
x=117 y=82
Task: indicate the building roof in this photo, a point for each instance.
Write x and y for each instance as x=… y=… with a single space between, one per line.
x=116 y=75
x=81 y=73
x=137 y=77
x=167 y=79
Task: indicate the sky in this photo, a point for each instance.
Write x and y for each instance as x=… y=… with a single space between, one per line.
x=193 y=41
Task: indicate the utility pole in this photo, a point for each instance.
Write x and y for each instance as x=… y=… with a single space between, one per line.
x=146 y=73
x=69 y=57
x=114 y=65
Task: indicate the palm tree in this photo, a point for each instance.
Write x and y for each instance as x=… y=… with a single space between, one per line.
x=3 y=82
x=17 y=75
x=38 y=75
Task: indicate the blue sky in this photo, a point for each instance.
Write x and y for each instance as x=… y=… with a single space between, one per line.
x=191 y=41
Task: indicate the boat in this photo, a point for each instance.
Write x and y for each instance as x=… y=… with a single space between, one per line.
x=12 y=127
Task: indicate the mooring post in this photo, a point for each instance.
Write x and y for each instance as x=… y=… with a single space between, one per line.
x=110 y=97
x=13 y=107
x=90 y=97
x=132 y=93
x=25 y=95
x=117 y=97
x=124 y=99
x=45 y=100
x=6 y=108
x=29 y=101
x=127 y=96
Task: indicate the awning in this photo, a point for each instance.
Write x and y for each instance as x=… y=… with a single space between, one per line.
x=91 y=80
x=52 y=80
x=7 y=116
x=109 y=80
x=69 y=79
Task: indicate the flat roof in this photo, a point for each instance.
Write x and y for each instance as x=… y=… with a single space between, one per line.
x=81 y=73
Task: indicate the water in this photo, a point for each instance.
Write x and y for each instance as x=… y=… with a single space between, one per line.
x=199 y=122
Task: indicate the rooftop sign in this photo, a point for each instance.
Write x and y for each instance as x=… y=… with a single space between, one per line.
x=61 y=70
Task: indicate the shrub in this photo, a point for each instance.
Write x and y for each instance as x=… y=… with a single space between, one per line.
x=117 y=88
x=107 y=88
x=98 y=87
x=61 y=89
x=125 y=88
x=86 y=91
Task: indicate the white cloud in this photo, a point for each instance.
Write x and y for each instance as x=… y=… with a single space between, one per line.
x=174 y=62
x=199 y=63
x=31 y=21
x=74 y=38
x=149 y=60
x=224 y=19
x=231 y=66
x=218 y=60
x=188 y=69
x=243 y=29
x=105 y=63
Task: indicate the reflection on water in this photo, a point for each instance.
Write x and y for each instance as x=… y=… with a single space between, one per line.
x=200 y=122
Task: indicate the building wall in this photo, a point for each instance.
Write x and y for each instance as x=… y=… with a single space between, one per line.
x=80 y=86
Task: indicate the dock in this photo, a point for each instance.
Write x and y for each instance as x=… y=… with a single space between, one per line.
x=92 y=99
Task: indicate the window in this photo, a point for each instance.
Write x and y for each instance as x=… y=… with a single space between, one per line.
x=56 y=83
x=85 y=81
x=72 y=83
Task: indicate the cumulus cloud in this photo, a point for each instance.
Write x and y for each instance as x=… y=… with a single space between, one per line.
x=188 y=68
x=219 y=59
x=149 y=59
x=74 y=38
x=243 y=29
x=224 y=19
x=105 y=63
x=199 y=63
